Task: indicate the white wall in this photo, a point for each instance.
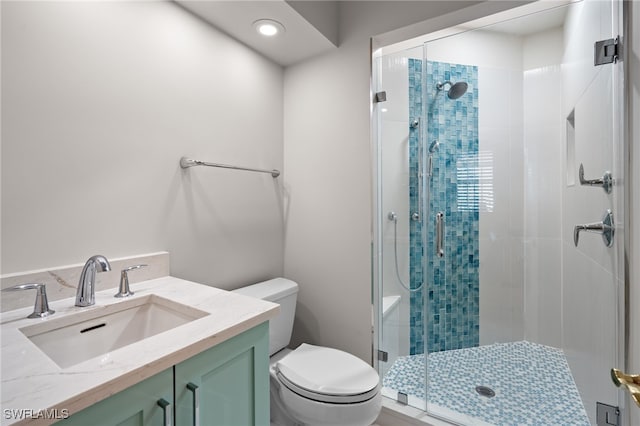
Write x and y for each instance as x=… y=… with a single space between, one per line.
x=100 y=100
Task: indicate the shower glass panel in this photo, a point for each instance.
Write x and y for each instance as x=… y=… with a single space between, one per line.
x=399 y=126
x=488 y=312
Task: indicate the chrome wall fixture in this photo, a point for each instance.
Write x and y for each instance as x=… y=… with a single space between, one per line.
x=440 y=234
x=606 y=181
x=606 y=228
x=188 y=162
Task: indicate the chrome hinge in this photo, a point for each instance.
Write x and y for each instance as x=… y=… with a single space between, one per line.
x=607 y=51
x=383 y=356
x=607 y=415
x=380 y=97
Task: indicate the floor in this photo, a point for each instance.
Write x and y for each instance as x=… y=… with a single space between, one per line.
x=532 y=384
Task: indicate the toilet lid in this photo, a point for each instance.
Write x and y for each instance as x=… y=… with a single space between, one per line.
x=326 y=374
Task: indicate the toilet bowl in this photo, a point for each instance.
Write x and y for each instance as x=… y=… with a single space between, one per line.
x=313 y=385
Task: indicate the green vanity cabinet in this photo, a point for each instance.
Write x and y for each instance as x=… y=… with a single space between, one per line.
x=135 y=406
x=226 y=385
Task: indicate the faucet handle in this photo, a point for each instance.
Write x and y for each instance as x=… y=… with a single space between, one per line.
x=41 y=306
x=123 y=290
x=605 y=227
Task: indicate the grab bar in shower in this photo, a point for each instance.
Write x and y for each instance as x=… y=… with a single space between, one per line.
x=440 y=234
x=188 y=162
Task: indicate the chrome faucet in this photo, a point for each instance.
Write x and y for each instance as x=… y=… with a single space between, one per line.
x=86 y=294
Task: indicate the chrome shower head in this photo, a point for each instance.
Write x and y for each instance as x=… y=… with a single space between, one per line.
x=455 y=90
x=434 y=146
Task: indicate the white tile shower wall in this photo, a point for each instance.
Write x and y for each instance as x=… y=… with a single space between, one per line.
x=543 y=203
x=99 y=102
x=501 y=251
x=499 y=60
x=590 y=290
x=589 y=286
x=585 y=23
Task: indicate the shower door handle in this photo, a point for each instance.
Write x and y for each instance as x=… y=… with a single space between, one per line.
x=439 y=234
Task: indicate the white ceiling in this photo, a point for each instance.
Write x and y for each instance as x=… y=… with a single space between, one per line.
x=528 y=24
x=530 y=18
x=311 y=26
x=300 y=41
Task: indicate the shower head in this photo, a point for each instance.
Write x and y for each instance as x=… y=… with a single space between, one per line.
x=455 y=90
x=434 y=146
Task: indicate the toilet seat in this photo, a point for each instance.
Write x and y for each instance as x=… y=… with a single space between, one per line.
x=327 y=375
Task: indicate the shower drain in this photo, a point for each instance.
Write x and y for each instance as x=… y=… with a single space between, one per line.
x=485 y=391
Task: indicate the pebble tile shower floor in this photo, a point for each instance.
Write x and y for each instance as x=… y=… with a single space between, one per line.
x=532 y=384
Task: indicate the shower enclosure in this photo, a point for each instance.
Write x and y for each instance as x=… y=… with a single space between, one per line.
x=492 y=305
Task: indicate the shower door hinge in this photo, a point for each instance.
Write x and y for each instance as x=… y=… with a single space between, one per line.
x=607 y=51
x=383 y=356
x=607 y=415
x=380 y=97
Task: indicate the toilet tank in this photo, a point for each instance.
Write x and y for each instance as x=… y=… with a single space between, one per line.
x=285 y=293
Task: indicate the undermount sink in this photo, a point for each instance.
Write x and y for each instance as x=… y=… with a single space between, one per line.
x=71 y=340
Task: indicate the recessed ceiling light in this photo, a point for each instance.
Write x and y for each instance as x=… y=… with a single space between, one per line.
x=268 y=27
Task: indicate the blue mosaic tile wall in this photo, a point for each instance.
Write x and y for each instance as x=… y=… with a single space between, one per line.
x=451 y=289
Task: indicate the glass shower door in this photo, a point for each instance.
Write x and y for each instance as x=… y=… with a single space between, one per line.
x=522 y=319
x=488 y=309
x=398 y=130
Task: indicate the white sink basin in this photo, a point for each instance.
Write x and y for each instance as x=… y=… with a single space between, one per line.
x=71 y=340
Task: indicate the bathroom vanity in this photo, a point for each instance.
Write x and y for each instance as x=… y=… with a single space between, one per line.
x=175 y=352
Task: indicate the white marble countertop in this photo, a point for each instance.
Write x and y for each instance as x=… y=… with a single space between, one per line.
x=32 y=381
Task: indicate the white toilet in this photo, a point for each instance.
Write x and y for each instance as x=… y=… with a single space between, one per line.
x=313 y=385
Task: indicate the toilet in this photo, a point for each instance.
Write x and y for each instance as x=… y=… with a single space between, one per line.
x=313 y=385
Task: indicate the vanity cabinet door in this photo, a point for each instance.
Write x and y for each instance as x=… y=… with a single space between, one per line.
x=135 y=406
x=227 y=384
